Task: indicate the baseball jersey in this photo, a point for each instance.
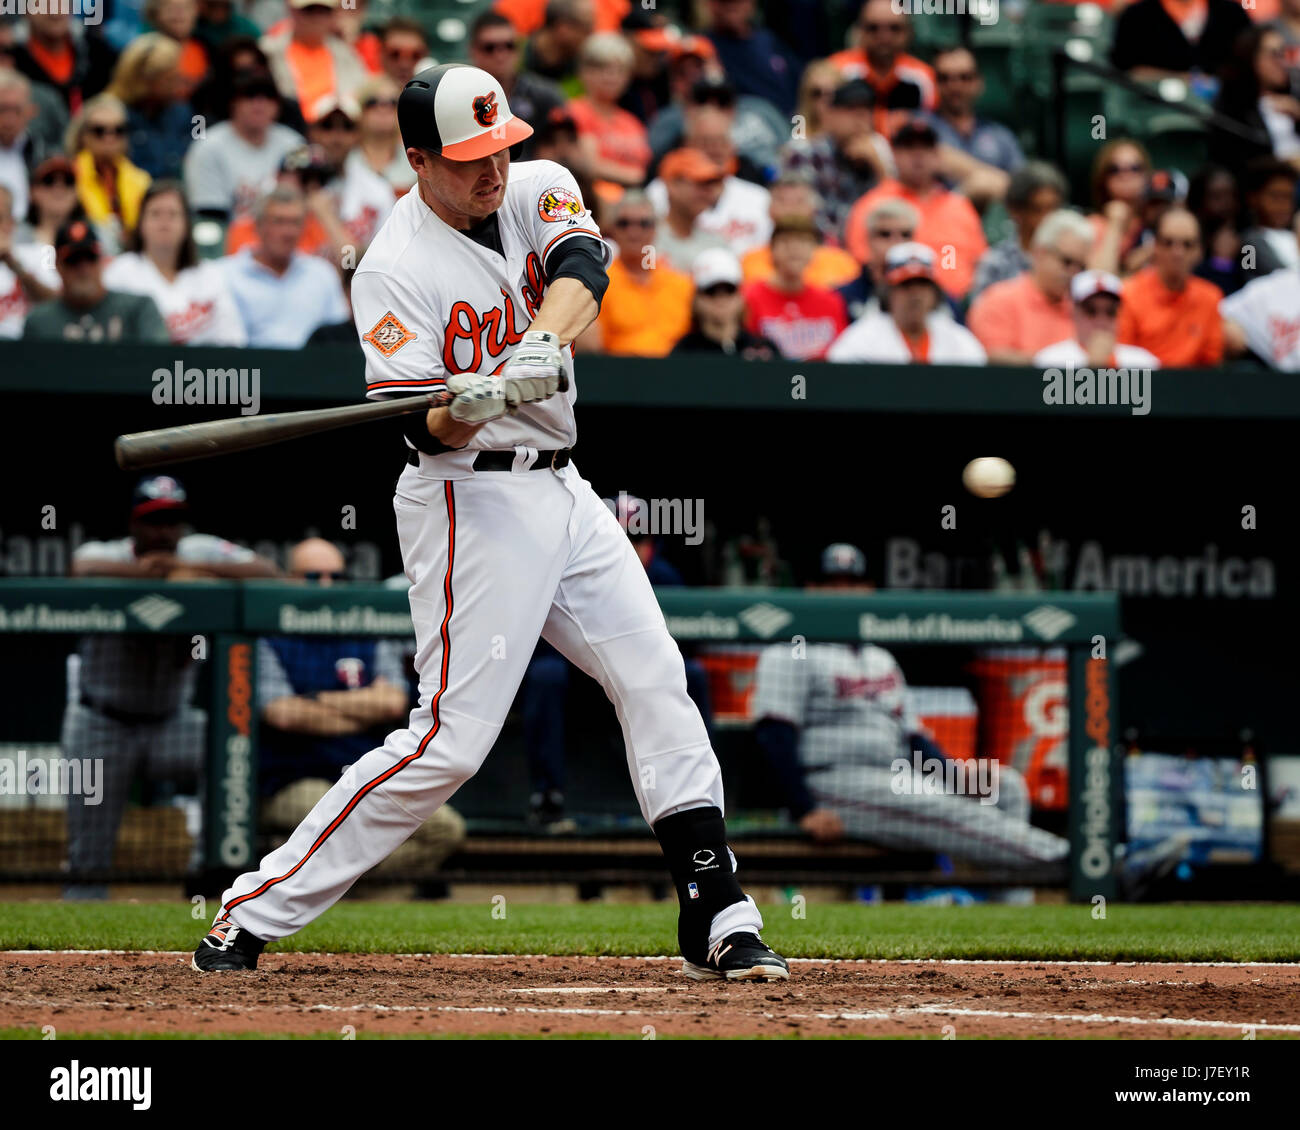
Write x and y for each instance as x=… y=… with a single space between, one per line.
x=429 y=301
x=37 y=259
x=146 y=673
x=1070 y=354
x=849 y=704
x=196 y=305
x=1268 y=311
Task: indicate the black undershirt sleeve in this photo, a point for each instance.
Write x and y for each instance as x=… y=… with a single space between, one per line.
x=580 y=257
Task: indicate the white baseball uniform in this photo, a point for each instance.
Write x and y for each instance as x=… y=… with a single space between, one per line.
x=850 y=708
x=495 y=559
x=197 y=304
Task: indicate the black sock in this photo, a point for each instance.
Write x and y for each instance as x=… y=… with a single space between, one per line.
x=694 y=843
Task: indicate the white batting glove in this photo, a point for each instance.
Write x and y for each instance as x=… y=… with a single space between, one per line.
x=477 y=397
x=534 y=370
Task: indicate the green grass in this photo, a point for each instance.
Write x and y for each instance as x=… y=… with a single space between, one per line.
x=1220 y=932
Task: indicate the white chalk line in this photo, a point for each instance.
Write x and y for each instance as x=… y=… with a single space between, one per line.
x=901 y=1013
x=1031 y=962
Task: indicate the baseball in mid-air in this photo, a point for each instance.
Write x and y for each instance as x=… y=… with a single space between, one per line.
x=989 y=477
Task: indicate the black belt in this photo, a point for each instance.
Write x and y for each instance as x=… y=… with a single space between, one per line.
x=126 y=717
x=505 y=460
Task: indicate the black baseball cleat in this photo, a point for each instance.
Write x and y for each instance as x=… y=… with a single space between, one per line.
x=225 y=948
x=740 y=957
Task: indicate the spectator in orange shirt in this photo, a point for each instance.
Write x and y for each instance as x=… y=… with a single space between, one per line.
x=647 y=307
x=902 y=83
x=176 y=20
x=1167 y=310
x=309 y=61
x=950 y=226
x=350 y=26
x=529 y=16
x=1016 y=318
x=614 y=140
x=792 y=198
x=802 y=320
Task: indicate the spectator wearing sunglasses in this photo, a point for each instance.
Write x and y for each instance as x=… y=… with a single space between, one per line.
x=308 y=60
x=85 y=309
x=902 y=83
x=1034 y=192
x=323 y=703
x=718 y=312
x=613 y=140
x=1119 y=184
x=354 y=193
x=816 y=85
x=1095 y=343
x=889 y=223
x=1013 y=320
x=912 y=328
x=647 y=307
x=1166 y=309
x=494 y=47
x=379 y=145
x=402 y=49
x=109 y=186
x=52 y=192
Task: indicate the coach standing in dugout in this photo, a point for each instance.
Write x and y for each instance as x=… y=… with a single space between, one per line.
x=131 y=705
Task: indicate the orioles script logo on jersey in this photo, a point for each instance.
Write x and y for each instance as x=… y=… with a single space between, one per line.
x=558 y=204
x=485 y=109
x=389 y=335
x=471 y=333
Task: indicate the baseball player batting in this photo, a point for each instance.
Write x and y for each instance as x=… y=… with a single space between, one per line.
x=476 y=285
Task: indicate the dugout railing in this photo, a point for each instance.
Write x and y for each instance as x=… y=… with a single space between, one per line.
x=1027 y=677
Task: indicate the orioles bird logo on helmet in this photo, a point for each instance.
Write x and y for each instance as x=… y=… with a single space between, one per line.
x=485 y=109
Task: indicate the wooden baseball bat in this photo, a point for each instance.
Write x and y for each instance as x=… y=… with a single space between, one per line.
x=239 y=433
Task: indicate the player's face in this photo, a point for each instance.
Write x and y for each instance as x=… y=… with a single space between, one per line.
x=461 y=192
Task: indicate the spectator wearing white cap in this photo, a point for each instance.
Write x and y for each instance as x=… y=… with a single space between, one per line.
x=309 y=61
x=913 y=327
x=1096 y=296
x=718 y=311
x=357 y=195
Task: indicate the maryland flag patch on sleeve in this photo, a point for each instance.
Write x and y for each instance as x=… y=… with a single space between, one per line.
x=559 y=203
x=388 y=335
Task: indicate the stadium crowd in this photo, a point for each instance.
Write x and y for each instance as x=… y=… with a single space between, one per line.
x=211 y=172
